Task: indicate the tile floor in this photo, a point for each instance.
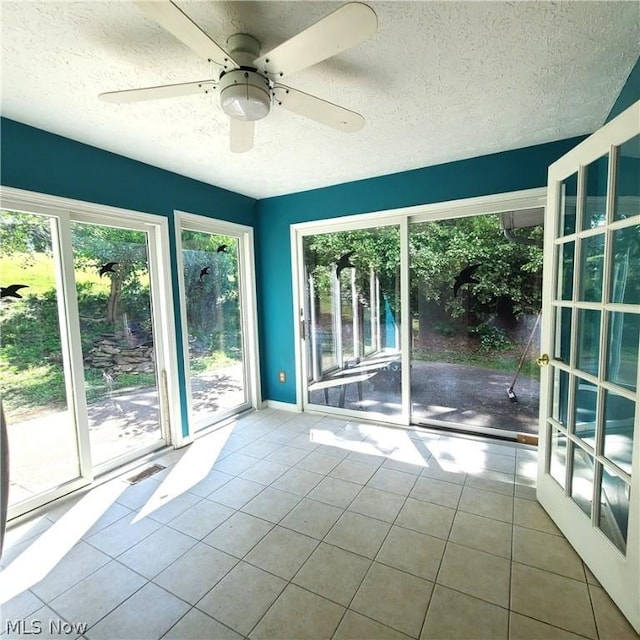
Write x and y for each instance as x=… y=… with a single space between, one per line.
x=299 y=526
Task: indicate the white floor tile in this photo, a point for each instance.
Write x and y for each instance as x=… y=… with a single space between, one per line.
x=299 y=614
x=123 y=534
x=81 y=561
x=271 y=504
x=333 y=573
x=201 y=519
x=196 y=625
x=148 y=613
x=359 y=534
x=282 y=552
x=94 y=597
x=239 y=534
x=196 y=572
x=151 y=555
x=413 y=552
x=254 y=588
x=311 y=518
x=393 y=598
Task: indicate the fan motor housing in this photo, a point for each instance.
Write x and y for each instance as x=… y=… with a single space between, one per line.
x=245 y=94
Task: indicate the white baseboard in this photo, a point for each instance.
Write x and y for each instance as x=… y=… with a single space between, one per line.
x=282 y=406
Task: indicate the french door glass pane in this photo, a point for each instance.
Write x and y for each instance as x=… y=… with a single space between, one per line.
x=619 y=416
x=582 y=479
x=563 y=334
x=591 y=270
x=216 y=361
x=472 y=322
x=116 y=329
x=567 y=215
x=560 y=408
x=40 y=423
x=623 y=345
x=585 y=410
x=594 y=214
x=625 y=267
x=615 y=496
x=627 y=182
x=558 y=464
x=588 y=355
x=353 y=320
x=566 y=252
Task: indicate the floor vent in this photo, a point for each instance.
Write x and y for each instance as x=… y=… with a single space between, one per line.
x=149 y=471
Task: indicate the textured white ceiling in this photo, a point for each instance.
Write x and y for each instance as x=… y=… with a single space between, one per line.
x=439 y=81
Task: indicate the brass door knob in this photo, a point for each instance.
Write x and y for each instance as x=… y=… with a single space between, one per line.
x=543 y=360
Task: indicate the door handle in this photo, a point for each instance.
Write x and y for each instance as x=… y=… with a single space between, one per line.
x=543 y=360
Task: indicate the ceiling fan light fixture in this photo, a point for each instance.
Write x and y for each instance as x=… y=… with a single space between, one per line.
x=245 y=95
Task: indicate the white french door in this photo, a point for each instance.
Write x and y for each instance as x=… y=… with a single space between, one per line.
x=589 y=470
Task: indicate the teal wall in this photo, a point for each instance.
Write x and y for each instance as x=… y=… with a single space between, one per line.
x=497 y=173
x=36 y=160
x=629 y=94
x=39 y=161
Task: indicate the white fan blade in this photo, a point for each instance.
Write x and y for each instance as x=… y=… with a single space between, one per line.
x=319 y=110
x=344 y=28
x=175 y=21
x=241 y=135
x=155 y=93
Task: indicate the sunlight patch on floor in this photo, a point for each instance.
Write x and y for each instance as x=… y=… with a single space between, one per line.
x=194 y=466
x=39 y=558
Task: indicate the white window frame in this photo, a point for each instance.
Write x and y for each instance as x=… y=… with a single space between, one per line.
x=248 y=309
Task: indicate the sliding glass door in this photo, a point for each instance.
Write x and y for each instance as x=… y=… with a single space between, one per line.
x=83 y=342
x=475 y=303
x=429 y=318
x=352 y=320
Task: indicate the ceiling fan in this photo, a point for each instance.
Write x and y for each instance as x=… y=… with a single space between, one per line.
x=249 y=83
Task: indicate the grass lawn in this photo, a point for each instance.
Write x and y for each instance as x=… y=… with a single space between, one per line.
x=38 y=273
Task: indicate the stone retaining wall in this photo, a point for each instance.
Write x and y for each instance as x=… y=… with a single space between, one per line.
x=109 y=354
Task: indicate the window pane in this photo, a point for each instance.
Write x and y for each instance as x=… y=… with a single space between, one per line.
x=41 y=426
x=582 y=479
x=118 y=345
x=588 y=340
x=568 y=205
x=625 y=268
x=558 y=463
x=354 y=319
x=623 y=342
x=619 y=416
x=585 y=411
x=560 y=396
x=628 y=180
x=475 y=300
x=211 y=285
x=565 y=270
x=594 y=214
x=614 y=509
x=563 y=335
x=592 y=259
